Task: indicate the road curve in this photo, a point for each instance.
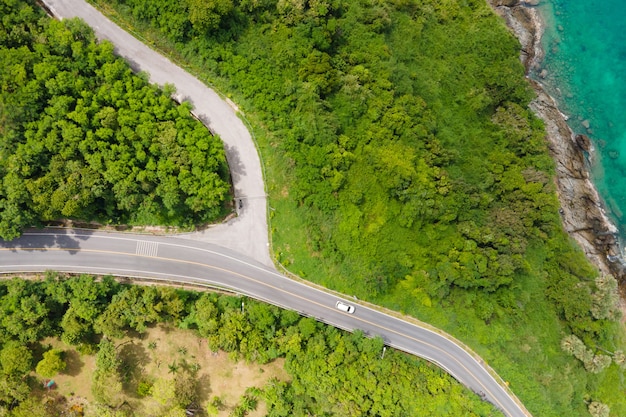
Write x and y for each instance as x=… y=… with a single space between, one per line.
x=247 y=233
x=188 y=261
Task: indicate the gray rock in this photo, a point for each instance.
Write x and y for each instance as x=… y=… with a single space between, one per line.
x=508 y=3
x=583 y=142
x=583 y=214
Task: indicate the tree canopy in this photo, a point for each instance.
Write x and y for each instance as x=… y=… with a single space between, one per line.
x=51 y=364
x=82 y=137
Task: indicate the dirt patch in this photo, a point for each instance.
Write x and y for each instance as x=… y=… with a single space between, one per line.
x=75 y=381
x=170 y=350
x=162 y=353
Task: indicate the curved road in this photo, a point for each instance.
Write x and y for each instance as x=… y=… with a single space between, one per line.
x=172 y=259
x=247 y=233
x=201 y=260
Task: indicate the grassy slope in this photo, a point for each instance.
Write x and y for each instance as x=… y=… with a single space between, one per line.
x=521 y=340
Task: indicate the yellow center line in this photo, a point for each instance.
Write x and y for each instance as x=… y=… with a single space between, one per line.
x=228 y=271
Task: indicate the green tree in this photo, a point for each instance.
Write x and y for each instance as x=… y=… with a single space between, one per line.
x=206 y=15
x=16 y=359
x=75 y=330
x=107 y=360
x=206 y=315
x=106 y=388
x=23 y=313
x=13 y=389
x=174 y=395
x=51 y=364
x=107 y=384
x=234 y=328
x=163 y=391
x=131 y=308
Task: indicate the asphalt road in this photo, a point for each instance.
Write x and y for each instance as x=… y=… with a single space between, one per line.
x=171 y=259
x=247 y=233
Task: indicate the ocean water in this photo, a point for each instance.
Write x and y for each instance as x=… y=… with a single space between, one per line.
x=585 y=70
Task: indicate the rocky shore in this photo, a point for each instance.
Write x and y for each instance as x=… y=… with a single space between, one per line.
x=582 y=212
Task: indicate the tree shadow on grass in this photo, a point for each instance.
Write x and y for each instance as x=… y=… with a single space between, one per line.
x=74 y=364
x=203 y=389
x=134 y=358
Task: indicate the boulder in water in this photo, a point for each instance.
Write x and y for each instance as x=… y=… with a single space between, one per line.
x=583 y=142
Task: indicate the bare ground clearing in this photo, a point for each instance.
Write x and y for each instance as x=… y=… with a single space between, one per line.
x=153 y=355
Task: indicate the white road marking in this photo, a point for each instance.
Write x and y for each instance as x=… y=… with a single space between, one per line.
x=147 y=248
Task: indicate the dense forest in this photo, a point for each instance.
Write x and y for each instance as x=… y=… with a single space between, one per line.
x=397 y=135
x=82 y=137
x=333 y=373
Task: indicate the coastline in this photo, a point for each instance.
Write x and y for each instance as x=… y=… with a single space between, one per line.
x=582 y=210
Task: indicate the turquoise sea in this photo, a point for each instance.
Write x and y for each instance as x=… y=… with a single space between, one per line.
x=585 y=70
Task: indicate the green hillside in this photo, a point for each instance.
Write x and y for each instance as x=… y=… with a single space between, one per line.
x=396 y=135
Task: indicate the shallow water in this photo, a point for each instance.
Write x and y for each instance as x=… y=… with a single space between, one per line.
x=585 y=70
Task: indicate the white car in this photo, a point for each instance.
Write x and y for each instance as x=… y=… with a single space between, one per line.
x=345 y=307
